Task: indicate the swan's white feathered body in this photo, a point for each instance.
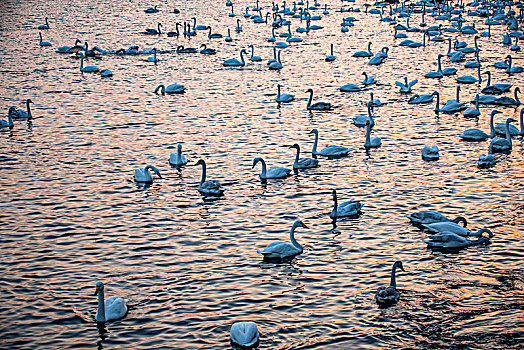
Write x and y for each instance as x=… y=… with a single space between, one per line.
x=112 y=308
x=280 y=250
x=244 y=333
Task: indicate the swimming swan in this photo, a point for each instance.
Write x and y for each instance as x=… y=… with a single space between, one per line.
x=304 y=163
x=387 y=296
x=430 y=153
x=284 y=97
x=275 y=172
x=177 y=158
x=244 y=334
x=111 y=308
x=171 y=89
x=281 y=250
x=449 y=226
x=329 y=151
x=479 y=135
x=20 y=113
x=349 y=208
x=405 y=87
x=371 y=142
x=318 y=106
x=144 y=175
x=503 y=145
x=450 y=240
x=233 y=62
x=431 y=216
x=209 y=187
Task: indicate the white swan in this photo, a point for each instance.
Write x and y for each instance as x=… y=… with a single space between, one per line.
x=431 y=216
x=387 y=296
x=503 y=145
x=361 y=120
x=472 y=112
x=254 y=58
x=374 y=102
x=349 y=208
x=426 y=98
x=405 y=87
x=111 y=308
x=495 y=89
x=233 y=62
x=206 y=50
x=151 y=10
x=213 y=35
x=479 y=135
x=9 y=122
x=451 y=106
x=65 y=49
x=20 y=113
x=177 y=158
x=304 y=163
x=371 y=142
x=438 y=73
x=500 y=128
x=43 y=43
x=277 y=65
x=468 y=79
x=487 y=160
x=275 y=172
x=450 y=240
x=171 y=89
x=151 y=31
x=284 y=97
x=368 y=80
x=449 y=226
x=244 y=334
x=511 y=69
x=367 y=53
x=144 y=175
x=238 y=28
x=198 y=27
x=430 y=153
x=330 y=57
x=88 y=69
x=104 y=73
x=44 y=26
x=329 y=151
x=209 y=187
x=508 y=101
x=153 y=58
x=281 y=250
x=318 y=106
x=350 y=88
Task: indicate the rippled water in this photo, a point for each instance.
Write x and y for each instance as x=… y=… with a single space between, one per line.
x=71 y=214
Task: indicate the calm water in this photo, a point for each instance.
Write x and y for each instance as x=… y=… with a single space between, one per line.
x=71 y=214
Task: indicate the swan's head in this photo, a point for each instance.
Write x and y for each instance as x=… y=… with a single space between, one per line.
x=296 y=146
x=201 y=162
x=334 y=194
x=29 y=101
x=482 y=230
x=309 y=90
x=399 y=265
x=99 y=287
x=493 y=112
x=517 y=89
x=156 y=171
x=510 y=120
x=179 y=147
x=256 y=160
x=299 y=223
x=435 y=93
x=314 y=131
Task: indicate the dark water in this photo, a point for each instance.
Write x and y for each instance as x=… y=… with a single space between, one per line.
x=71 y=214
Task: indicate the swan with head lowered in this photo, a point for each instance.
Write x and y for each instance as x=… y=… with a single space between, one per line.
x=430 y=153
x=479 y=135
x=170 y=89
x=111 y=308
x=318 y=106
x=177 y=158
x=284 y=97
x=503 y=145
x=468 y=79
x=448 y=226
x=281 y=250
x=144 y=175
x=450 y=240
x=20 y=113
x=329 y=151
x=233 y=62
x=209 y=187
x=426 y=98
x=387 y=296
x=244 y=334
x=431 y=216
x=345 y=209
x=275 y=172
x=304 y=163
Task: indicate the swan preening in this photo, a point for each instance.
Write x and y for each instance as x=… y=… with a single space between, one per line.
x=244 y=334
x=20 y=113
x=144 y=175
x=275 y=172
x=281 y=250
x=431 y=216
x=209 y=187
x=171 y=89
x=329 y=151
x=177 y=158
x=111 y=308
x=387 y=296
x=304 y=163
x=345 y=209
x=450 y=240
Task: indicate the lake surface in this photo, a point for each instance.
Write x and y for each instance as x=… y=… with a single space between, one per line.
x=72 y=215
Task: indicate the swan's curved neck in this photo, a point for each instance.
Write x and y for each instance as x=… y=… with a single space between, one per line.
x=101 y=311
x=393 y=282
x=478 y=73
x=28 y=104
x=489 y=78
x=517 y=97
x=314 y=151
x=508 y=134
x=242 y=57
x=297 y=156
x=203 y=178
x=491 y=126
x=162 y=89
x=309 y=105
x=368 y=135
x=439 y=65
x=292 y=237
x=263 y=173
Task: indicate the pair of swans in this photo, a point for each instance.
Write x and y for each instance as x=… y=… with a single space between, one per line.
x=329 y=151
x=244 y=334
x=144 y=175
x=431 y=216
x=430 y=153
x=19 y=113
x=233 y=62
x=304 y=163
x=387 y=296
x=379 y=57
x=277 y=64
x=318 y=106
x=209 y=187
x=477 y=134
x=177 y=158
x=282 y=250
x=440 y=72
x=284 y=97
x=170 y=89
x=500 y=128
x=111 y=308
x=345 y=209
x=451 y=106
x=275 y=172
x=405 y=88
x=503 y=145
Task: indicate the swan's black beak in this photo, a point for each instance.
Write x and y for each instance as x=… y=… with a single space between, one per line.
x=158 y=173
x=304 y=225
x=97 y=290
